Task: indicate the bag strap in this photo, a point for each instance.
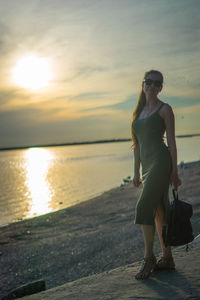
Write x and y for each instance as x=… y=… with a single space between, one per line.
x=175 y=194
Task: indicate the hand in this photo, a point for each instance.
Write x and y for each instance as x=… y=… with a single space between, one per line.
x=175 y=180
x=136 y=180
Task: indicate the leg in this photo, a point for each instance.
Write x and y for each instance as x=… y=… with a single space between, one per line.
x=159 y=220
x=166 y=262
x=148 y=234
x=149 y=258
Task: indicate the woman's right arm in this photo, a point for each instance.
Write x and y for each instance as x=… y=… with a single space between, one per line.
x=136 y=178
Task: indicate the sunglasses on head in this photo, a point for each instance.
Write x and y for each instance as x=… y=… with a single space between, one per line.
x=156 y=83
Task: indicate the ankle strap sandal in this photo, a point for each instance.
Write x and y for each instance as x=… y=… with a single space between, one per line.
x=146 y=268
x=165 y=263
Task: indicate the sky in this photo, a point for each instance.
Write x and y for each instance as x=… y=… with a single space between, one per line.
x=97 y=53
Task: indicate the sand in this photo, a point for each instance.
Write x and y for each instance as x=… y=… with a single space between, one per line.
x=89 y=239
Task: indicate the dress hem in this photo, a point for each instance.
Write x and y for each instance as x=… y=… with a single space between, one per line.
x=144 y=223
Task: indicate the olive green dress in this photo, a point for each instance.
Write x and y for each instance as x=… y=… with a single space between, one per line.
x=156 y=167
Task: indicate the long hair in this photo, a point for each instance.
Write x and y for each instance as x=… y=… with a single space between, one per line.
x=140 y=105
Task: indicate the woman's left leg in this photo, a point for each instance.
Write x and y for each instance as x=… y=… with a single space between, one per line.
x=159 y=220
x=166 y=262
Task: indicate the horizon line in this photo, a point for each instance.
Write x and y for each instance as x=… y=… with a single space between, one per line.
x=85 y=142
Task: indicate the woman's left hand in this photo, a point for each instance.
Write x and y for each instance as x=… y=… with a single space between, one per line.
x=175 y=180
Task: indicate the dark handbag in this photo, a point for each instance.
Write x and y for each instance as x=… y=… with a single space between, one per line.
x=178 y=230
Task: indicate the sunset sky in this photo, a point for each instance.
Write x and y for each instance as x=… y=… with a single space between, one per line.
x=71 y=70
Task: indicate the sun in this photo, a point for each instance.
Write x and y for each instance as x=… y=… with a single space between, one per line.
x=32 y=72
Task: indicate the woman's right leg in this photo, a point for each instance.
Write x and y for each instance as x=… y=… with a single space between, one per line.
x=149 y=258
x=148 y=235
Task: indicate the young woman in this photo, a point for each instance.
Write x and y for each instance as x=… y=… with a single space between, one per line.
x=151 y=118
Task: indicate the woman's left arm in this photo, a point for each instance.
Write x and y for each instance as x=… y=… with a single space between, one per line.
x=168 y=116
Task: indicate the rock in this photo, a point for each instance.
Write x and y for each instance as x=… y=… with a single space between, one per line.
x=27 y=289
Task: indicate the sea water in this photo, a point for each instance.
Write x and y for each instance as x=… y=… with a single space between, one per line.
x=39 y=180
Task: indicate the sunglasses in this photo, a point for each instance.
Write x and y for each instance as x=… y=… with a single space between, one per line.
x=156 y=83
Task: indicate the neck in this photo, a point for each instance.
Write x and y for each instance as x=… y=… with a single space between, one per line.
x=151 y=101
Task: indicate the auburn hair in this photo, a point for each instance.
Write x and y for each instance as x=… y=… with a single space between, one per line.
x=140 y=104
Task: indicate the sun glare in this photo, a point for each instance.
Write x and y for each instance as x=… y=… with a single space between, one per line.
x=32 y=72
x=37 y=163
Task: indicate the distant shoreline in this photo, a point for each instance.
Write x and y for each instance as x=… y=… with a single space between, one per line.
x=85 y=143
x=68 y=144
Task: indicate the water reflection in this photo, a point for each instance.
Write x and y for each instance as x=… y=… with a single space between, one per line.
x=37 y=164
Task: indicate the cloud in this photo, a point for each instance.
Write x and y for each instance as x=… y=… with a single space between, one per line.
x=180 y=102
x=13 y=99
x=4 y=33
x=189 y=110
x=130 y=102
x=100 y=51
x=6 y=96
x=126 y=105
x=88 y=70
x=22 y=128
x=90 y=96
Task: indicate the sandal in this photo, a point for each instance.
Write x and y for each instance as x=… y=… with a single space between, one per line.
x=165 y=263
x=147 y=268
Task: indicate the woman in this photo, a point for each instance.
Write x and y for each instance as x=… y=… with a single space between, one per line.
x=151 y=119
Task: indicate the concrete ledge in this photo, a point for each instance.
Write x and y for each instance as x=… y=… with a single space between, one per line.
x=183 y=283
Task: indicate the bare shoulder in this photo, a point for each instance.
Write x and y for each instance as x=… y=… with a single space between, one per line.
x=166 y=110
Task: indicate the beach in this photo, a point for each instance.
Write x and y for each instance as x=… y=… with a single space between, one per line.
x=90 y=238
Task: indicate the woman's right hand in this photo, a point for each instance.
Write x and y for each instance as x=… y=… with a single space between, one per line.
x=175 y=180
x=136 y=180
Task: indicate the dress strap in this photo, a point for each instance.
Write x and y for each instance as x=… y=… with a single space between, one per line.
x=160 y=107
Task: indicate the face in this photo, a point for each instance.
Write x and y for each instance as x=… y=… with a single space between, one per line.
x=151 y=86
